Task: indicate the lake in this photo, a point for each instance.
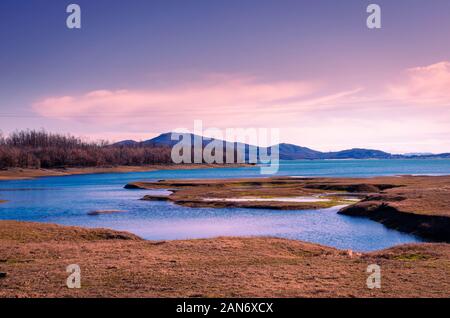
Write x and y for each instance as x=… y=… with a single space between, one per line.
x=68 y=200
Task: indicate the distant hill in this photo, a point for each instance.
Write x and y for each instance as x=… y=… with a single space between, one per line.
x=126 y=143
x=292 y=152
x=163 y=140
x=357 y=153
x=434 y=156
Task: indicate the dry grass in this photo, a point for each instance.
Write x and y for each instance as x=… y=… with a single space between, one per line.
x=30 y=232
x=34 y=257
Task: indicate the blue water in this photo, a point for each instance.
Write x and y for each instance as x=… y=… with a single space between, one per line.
x=67 y=200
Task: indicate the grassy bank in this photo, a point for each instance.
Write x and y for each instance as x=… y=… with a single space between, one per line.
x=116 y=264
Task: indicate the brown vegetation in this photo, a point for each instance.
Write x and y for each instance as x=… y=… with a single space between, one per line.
x=40 y=149
x=30 y=232
x=34 y=258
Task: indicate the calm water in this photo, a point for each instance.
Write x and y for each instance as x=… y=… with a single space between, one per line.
x=67 y=200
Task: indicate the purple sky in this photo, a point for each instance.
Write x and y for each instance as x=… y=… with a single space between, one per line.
x=310 y=68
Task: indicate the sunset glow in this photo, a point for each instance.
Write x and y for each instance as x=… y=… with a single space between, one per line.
x=352 y=87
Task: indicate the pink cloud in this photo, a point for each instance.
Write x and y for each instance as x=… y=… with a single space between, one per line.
x=424 y=85
x=199 y=99
x=405 y=113
x=224 y=101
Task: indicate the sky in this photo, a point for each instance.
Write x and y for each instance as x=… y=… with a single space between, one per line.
x=310 y=68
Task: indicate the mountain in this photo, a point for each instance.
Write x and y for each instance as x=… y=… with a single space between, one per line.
x=357 y=153
x=126 y=143
x=292 y=152
x=163 y=140
x=288 y=151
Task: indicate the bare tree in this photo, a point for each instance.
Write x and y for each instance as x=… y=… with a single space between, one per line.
x=40 y=149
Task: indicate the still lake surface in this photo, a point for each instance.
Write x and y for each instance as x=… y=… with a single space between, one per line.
x=67 y=200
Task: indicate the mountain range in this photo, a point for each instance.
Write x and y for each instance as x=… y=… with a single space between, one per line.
x=291 y=151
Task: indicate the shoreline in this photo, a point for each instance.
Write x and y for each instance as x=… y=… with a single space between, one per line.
x=31 y=173
x=429 y=227
x=34 y=257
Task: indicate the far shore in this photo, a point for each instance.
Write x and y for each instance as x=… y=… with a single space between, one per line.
x=29 y=173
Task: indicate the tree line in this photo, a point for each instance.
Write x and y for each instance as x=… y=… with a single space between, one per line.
x=41 y=149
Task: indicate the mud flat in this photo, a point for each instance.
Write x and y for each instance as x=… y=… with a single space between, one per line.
x=418 y=205
x=262 y=193
x=34 y=258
